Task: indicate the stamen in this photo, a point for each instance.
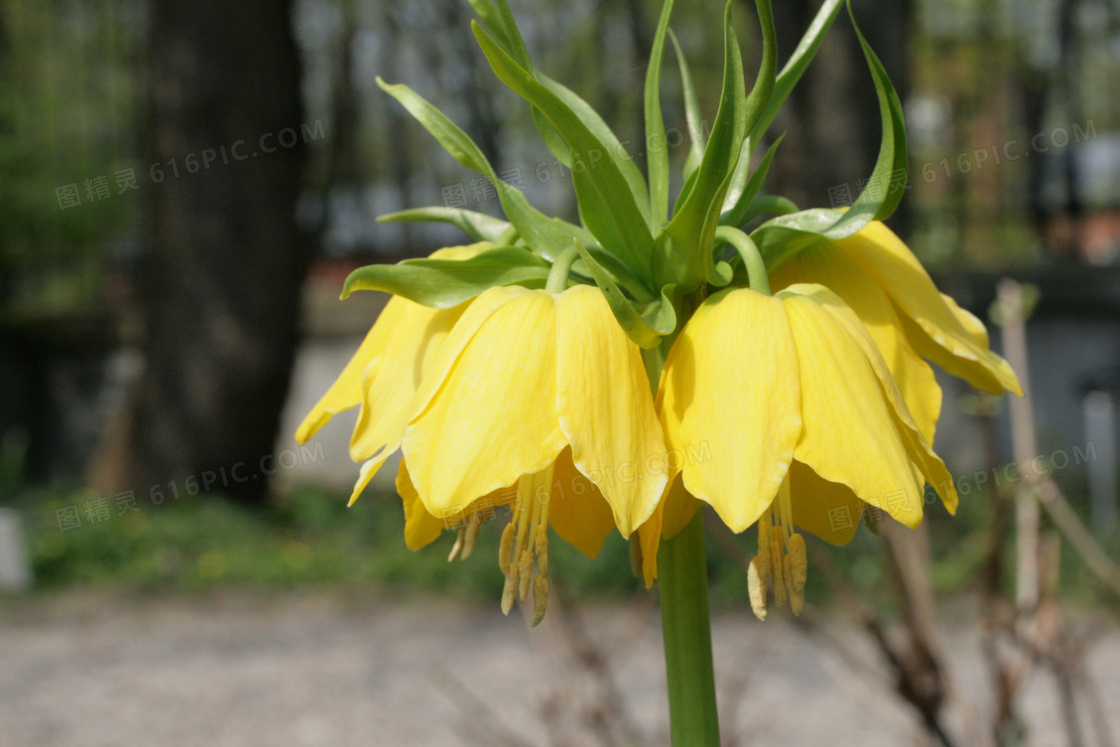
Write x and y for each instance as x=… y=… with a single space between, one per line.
x=505 y=547
x=541 y=584
x=527 y=543
x=797 y=571
x=781 y=565
x=470 y=536
x=756 y=585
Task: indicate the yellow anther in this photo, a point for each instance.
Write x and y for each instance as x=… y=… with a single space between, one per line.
x=470 y=536
x=540 y=548
x=508 y=592
x=756 y=585
x=799 y=561
x=540 y=598
x=505 y=548
x=524 y=574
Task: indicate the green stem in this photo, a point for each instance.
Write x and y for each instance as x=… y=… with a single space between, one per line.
x=752 y=259
x=683 y=577
x=558 y=275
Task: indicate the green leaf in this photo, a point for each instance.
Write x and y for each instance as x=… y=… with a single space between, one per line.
x=892 y=166
x=739 y=196
x=606 y=203
x=443 y=283
x=684 y=246
x=691 y=111
x=601 y=130
x=657 y=160
x=661 y=315
x=499 y=21
x=628 y=317
x=775 y=204
x=763 y=87
x=794 y=68
x=478 y=226
x=783 y=236
x=546 y=236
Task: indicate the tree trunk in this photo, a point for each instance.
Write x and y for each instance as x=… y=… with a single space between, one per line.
x=221 y=283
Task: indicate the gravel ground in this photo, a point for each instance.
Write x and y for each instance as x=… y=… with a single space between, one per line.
x=90 y=670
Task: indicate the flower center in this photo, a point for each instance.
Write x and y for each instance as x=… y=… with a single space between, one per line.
x=781 y=564
x=524 y=540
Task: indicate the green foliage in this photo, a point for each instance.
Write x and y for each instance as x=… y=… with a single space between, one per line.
x=443 y=283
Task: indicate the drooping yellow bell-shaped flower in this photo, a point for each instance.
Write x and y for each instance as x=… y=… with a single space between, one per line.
x=802 y=420
x=533 y=397
x=878 y=276
x=385 y=371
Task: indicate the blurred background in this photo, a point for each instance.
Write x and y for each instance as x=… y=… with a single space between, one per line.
x=183 y=188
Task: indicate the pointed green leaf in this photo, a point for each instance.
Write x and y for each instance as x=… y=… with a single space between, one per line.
x=763 y=87
x=608 y=207
x=601 y=130
x=443 y=283
x=691 y=111
x=628 y=317
x=764 y=204
x=546 y=236
x=736 y=204
x=657 y=154
x=781 y=237
x=796 y=65
x=479 y=226
x=499 y=21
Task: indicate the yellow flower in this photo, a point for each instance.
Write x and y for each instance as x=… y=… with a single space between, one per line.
x=883 y=282
x=528 y=391
x=384 y=372
x=792 y=400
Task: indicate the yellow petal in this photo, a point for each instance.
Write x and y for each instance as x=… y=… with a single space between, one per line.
x=346 y=391
x=578 y=512
x=493 y=416
x=930 y=467
x=420 y=527
x=849 y=434
x=410 y=337
x=384 y=434
x=969 y=321
x=828 y=510
x=731 y=382
x=823 y=264
x=894 y=267
x=605 y=407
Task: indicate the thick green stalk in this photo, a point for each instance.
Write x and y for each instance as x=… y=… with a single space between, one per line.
x=683 y=577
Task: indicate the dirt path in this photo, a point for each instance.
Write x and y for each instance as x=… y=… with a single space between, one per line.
x=86 y=670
